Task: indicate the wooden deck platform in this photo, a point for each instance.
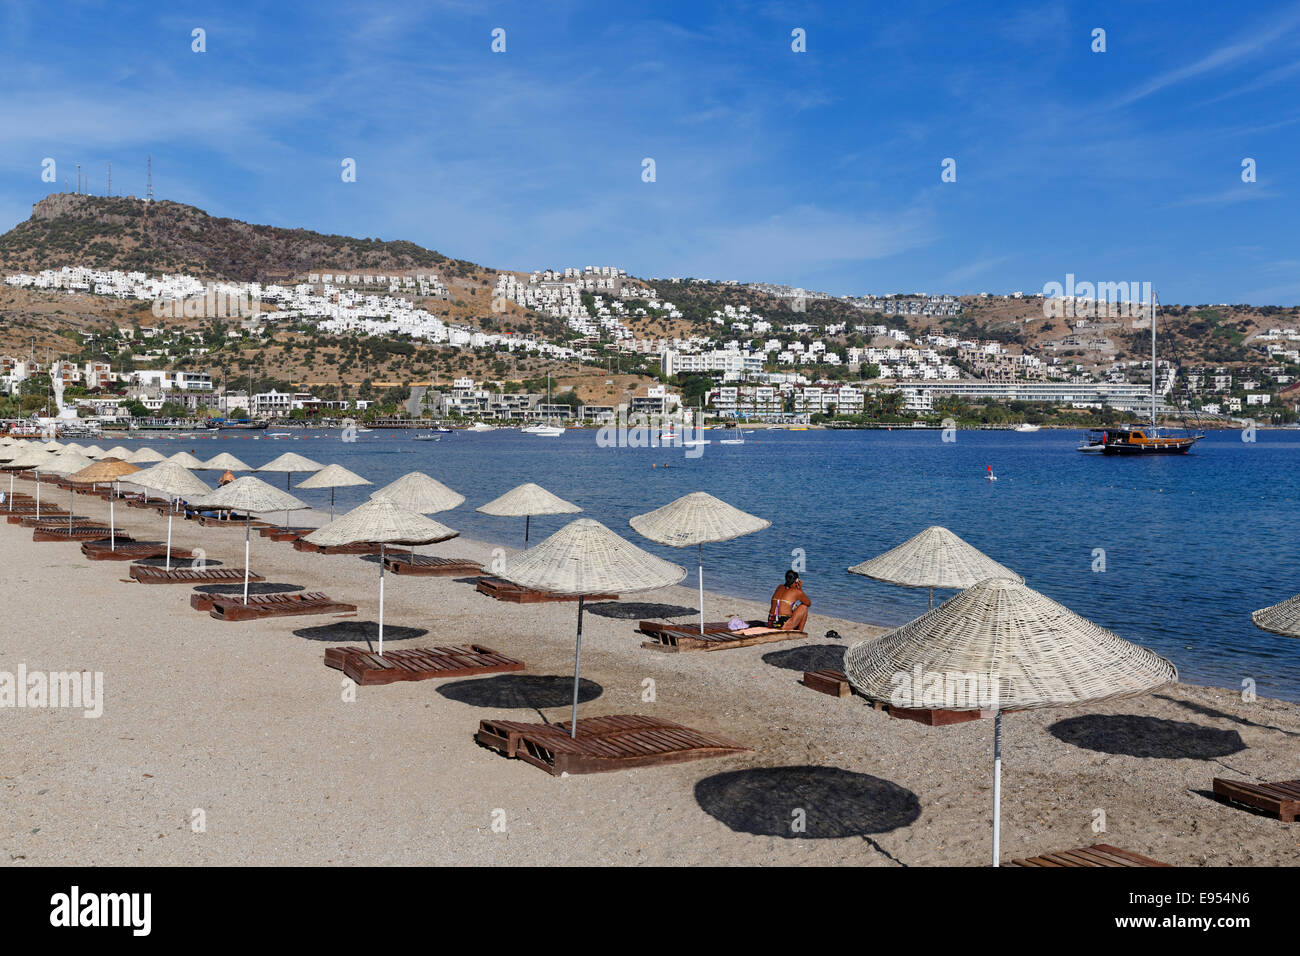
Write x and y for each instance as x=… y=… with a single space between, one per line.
x=836 y=684
x=147 y=574
x=1281 y=799
x=423 y=564
x=619 y=742
x=18 y=514
x=500 y=590
x=231 y=607
x=678 y=638
x=85 y=532
x=308 y=547
x=31 y=521
x=99 y=550
x=1099 y=854
x=278 y=533
x=419 y=663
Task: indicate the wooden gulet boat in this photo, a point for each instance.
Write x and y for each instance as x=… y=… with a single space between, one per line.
x=1141 y=439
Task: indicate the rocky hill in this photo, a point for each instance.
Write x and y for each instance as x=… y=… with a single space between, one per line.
x=164 y=236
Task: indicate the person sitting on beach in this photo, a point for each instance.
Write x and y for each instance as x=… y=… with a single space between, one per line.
x=226 y=479
x=789 y=605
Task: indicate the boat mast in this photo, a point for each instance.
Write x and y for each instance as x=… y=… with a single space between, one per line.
x=1153 y=363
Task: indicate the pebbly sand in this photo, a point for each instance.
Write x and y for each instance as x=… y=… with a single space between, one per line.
x=245 y=723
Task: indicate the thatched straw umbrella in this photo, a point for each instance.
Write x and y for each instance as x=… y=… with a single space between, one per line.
x=935 y=558
x=30 y=457
x=111 y=470
x=524 y=502
x=416 y=491
x=225 y=462
x=331 y=477
x=170 y=479
x=1021 y=649
x=64 y=464
x=380 y=521
x=696 y=519
x=94 y=451
x=186 y=460
x=250 y=495
x=584 y=557
x=1283 y=619
x=144 y=456
x=287 y=464
x=120 y=452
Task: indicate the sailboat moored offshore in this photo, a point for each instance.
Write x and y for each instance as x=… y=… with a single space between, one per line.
x=1141 y=439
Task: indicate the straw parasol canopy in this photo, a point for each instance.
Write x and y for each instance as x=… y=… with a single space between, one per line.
x=696 y=519
x=416 y=491
x=64 y=464
x=72 y=446
x=94 y=451
x=186 y=460
x=380 y=521
x=332 y=477
x=524 y=502
x=1281 y=618
x=111 y=470
x=585 y=557
x=225 y=462
x=144 y=456
x=288 y=463
x=935 y=558
x=1001 y=646
x=117 y=451
x=170 y=479
x=250 y=495
x=31 y=456
x=52 y=445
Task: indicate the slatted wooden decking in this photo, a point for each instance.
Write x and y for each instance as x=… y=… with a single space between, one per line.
x=619 y=742
x=147 y=574
x=85 y=532
x=424 y=564
x=1281 y=799
x=1099 y=854
x=419 y=663
x=836 y=684
x=278 y=533
x=676 y=638
x=505 y=591
x=131 y=550
x=31 y=521
x=18 y=514
x=231 y=607
x=362 y=548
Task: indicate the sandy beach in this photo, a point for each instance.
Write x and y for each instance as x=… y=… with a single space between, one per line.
x=245 y=723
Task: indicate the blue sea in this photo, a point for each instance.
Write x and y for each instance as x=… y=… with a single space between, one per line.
x=1170 y=552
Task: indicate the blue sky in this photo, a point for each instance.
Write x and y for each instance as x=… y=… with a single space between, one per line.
x=817 y=169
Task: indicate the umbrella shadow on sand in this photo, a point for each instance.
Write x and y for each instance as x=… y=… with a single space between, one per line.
x=642 y=610
x=520 y=691
x=254 y=587
x=181 y=563
x=1204 y=711
x=1132 y=735
x=815 y=657
x=807 y=802
x=353 y=630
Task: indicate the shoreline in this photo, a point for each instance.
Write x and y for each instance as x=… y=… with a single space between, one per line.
x=244 y=722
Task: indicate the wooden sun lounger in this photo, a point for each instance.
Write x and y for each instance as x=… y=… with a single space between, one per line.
x=31 y=521
x=419 y=663
x=1281 y=799
x=231 y=607
x=836 y=684
x=46 y=512
x=278 y=533
x=618 y=742
x=676 y=638
x=361 y=548
x=148 y=574
x=427 y=565
x=85 y=532
x=505 y=591
x=99 y=550
x=1099 y=854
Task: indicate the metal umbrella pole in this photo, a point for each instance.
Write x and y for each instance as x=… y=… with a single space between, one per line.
x=171 y=510
x=997 y=785
x=248 y=525
x=381 y=599
x=577 y=669
x=700 y=561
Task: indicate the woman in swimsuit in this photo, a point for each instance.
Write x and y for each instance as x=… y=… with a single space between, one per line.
x=789 y=605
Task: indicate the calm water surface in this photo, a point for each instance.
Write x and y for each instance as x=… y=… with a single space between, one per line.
x=1191 y=544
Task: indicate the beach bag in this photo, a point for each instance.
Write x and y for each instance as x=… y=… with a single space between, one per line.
x=736 y=624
